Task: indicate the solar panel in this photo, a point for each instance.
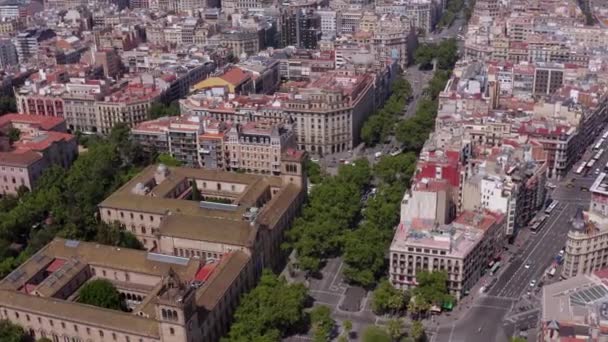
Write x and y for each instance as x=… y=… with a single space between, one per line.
x=72 y=243
x=15 y=275
x=38 y=257
x=168 y=259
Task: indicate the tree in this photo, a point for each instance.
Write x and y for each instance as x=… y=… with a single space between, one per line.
x=417 y=332
x=7 y=105
x=10 y=332
x=517 y=339
x=268 y=311
x=387 y=299
x=113 y=235
x=159 y=109
x=424 y=55
x=313 y=171
x=348 y=327
x=13 y=134
x=431 y=290
x=101 y=293
x=322 y=323
x=375 y=334
x=167 y=159
x=394 y=326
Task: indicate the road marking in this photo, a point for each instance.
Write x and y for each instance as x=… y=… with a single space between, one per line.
x=538 y=243
x=490 y=307
x=451 y=332
x=337 y=273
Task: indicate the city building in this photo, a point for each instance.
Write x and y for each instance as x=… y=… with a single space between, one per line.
x=575 y=309
x=168 y=298
x=27 y=43
x=231 y=212
x=253 y=147
x=43 y=142
x=300 y=28
x=463 y=248
x=586 y=248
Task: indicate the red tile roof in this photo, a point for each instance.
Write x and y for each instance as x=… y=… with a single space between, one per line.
x=235 y=76
x=23 y=159
x=44 y=122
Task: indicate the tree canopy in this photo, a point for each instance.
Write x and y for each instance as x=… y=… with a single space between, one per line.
x=322 y=323
x=101 y=293
x=64 y=202
x=159 y=109
x=268 y=311
x=7 y=105
x=168 y=160
x=387 y=299
x=375 y=334
x=10 y=332
x=432 y=290
x=331 y=211
x=381 y=124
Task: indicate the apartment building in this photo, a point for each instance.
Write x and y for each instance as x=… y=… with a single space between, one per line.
x=43 y=142
x=168 y=298
x=127 y=105
x=463 y=248
x=330 y=110
x=587 y=244
x=242 y=43
x=253 y=147
x=234 y=212
x=27 y=43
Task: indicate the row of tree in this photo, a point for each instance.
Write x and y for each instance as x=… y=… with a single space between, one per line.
x=64 y=202
x=332 y=210
x=273 y=309
x=381 y=124
x=444 y=53
x=450 y=12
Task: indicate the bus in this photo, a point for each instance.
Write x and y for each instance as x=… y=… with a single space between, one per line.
x=598 y=144
x=591 y=163
x=551 y=207
x=551 y=272
x=599 y=153
x=494 y=268
x=582 y=168
x=537 y=223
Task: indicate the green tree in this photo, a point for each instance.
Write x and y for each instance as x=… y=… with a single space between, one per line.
x=394 y=326
x=168 y=160
x=517 y=339
x=10 y=332
x=268 y=311
x=322 y=323
x=101 y=293
x=115 y=236
x=13 y=134
x=159 y=109
x=375 y=334
x=333 y=207
x=417 y=332
x=387 y=299
x=313 y=171
x=348 y=327
x=7 y=105
x=424 y=55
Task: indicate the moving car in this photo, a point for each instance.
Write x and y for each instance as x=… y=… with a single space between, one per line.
x=527 y=265
x=533 y=283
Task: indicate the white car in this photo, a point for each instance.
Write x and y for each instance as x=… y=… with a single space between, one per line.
x=551 y=186
x=533 y=283
x=527 y=265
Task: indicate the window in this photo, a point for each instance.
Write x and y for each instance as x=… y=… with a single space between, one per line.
x=16 y=314
x=172 y=331
x=75 y=328
x=151 y=218
x=27 y=317
x=101 y=333
x=63 y=325
x=114 y=336
x=88 y=331
x=51 y=322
